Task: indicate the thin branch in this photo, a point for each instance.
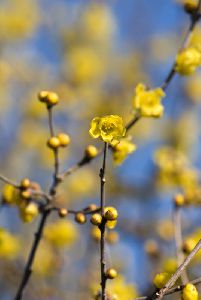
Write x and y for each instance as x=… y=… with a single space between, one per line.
x=102 y=226
x=8 y=181
x=173 y=290
x=28 y=269
x=56 y=178
x=178 y=273
x=179 y=241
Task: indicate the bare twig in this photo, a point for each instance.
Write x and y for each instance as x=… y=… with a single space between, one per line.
x=56 y=178
x=173 y=290
x=179 y=241
x=178 y=273
x=28 y=268
x=102 y=226
x=8 y=181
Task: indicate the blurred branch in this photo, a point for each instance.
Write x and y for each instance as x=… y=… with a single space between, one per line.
x=160 y=294
x=179 y=241
x=174 y=290
x=8 y=181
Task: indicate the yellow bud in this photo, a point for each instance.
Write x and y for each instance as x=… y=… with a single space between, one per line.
x=53 y=142
x=110 y=214
x=189 y=292
x=179 y=200
x=10 y=194
x=25 y=183
x=29 y=212
x=151 y=247
x=92 y=207
x=62 y=212
x=190 y=8
x=52 y=98
x=91 y=152
x=188 y=245
x=48 y=97
x=161 y=279
x=96 y=219
x=80 y=218
x=26 y=194
x=42 y=96
x=111 y=273
x=64 y=139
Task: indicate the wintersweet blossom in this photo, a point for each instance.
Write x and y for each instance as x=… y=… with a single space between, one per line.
x=188 y=60
x=109 y=128
x=148 y=102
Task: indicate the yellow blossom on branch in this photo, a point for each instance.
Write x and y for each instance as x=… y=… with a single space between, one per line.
x=188 y=60
x=148 y=102
x=122 y=150
x=109 y=128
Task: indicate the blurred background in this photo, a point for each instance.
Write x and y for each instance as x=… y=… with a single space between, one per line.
x=93 y=53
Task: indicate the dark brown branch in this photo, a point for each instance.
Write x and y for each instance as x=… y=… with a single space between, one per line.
x=102 y=226
x=28 y=268
x=56 y=178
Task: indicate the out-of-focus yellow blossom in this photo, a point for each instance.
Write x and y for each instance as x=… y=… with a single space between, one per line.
x=188 y=60
x=189 y=292
x=192 y=196
x=85 y=64
x=165 y=229
x=170 y=265
x=122 y=150
x=109 y=128
x=193 y=88
x=82 y=184
x=28 y=212
x=95 y=233
x=61 y=233
x=9 y=245
x=161 y=279
x=118 y=289
x=18 y=19
x=44 y=263
x=122 y=289
x=148 y=102
x=175 y=169
x=97 y=22
x=169 y=158
x=10 y=195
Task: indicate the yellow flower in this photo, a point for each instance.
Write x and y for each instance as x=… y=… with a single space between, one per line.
x=189 y=292
x=161 y=279
x=61 y=233
x=122 y=150
x=148 y=102
x=9 y=245
x=188 y=60
x=108 y=128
